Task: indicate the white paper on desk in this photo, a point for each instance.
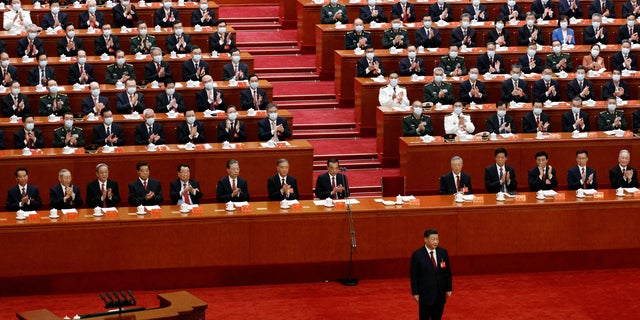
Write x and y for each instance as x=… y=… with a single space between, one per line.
x=28 y=213
x=240 y=204
x=408 y=198
x=110 y=209
x=590 y=191
x=266 y=144
x=149 y=208
x=468 y=197
x=517 y=105
x=319 y=202
x=549 y=193
x=379 y=80
x=580 y=135
x=502 y=48
x=131 y=116
x=506 y=135
x=401 y=108
x=72 y=210
x=290 y=202
x=351 y=201
x=410 y=25
x=610 y=132
x=230 y=146
x=631 y=190
x=378 y=200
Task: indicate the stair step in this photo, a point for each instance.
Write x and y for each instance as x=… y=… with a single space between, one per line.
x=288 y=69
x=306 y=76
x=252 y=26
x=235 y=20
x=325 y=134
x=310 y=104
x=346 y=156
x=299 y=97
x=324 y=126
x=351 y=165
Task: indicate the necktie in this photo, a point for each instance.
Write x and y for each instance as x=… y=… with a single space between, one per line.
x=283 y=182
x=531 y=60
x=235 y=68
x=491 y=60
x=185 y=194
x=510 y=10
x=255 y=100
x=55 y=18
x=30 y=143
x=404 y=14
x=427 y=32
x=464 y=33
x=433 y=260
x=196 y=65
x=577 y=116
x=547 y=84
x=502 y=186
x=458 y=182
x=81 y=69
x=233 y=184
x=4 y=71
x=108 y=130
x=232 y=130
x=630 y=31
x=42 y=77
x=144 y=184
x=515 y=84
x=603 y=8
x=538 y=120
x=580 y=84
x=584 y=179
x=500 y=122
x=275 y=130
x=24 y=192
x=93 y=23
x=158 y=66
x=150 y=131
x=104 y=194
x=333 y=185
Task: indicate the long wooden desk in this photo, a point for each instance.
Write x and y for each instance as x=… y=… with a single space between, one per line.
x=144 y=13
x=389 y=123
x=129 y=126
x=50 y=41
x=477 y=155
x=257 y=165
x=231 y=94
x=366 y=92
x=100 y=66
x=271 y=245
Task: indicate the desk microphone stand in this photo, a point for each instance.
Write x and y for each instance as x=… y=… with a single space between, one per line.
x=349 y=280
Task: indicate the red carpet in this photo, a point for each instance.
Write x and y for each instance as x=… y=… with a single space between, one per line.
x=230 y=12
x=592 y=294
x=303 y=116
x=302 y=88
x=286 y=61
x=344 y=146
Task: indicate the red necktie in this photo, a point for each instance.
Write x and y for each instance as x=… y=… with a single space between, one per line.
x=104 y=194
x=584 y=179
x=547 y=84
x=537 y=120
x=93 y=23
x=603 y=8
x=144 y=184
x=233 y=184
x=404 y=14
x=185 y=194
x=433 y=260
x=457 y=182
x=333 y=186
x=24 y=192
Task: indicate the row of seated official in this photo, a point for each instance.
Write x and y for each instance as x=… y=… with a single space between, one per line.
x=109 y=133
x=144 y=190
x=500 y=177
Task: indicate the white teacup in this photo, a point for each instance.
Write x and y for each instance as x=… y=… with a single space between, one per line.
x=140 y=209
x=271 y=144
x=230 y=206
x=459 y=197
x=13 y=119
x=226 y=144
x=580 y=193
x=540 y=195
x=26 y=151
x=233 y=82
x=119 y=85
x=184 y=207
x=53 y=212
x=174 y=54
x=539 y=134
x=91 y=116
x=155 y=84
x=20 y=214
x=493 y=136
x=151 y=147
x=157 y=29
x=414 y=77
x=328 y=202
x=420 y=49
x=575 y=133
x=620 y=192
x=284 y=204
x=500 y=196
x=97 y=210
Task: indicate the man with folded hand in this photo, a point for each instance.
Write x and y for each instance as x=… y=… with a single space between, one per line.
x=102 y=192
x=282 y=186
x=622 y=175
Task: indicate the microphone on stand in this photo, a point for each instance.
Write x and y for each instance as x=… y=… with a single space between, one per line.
x=349 y=280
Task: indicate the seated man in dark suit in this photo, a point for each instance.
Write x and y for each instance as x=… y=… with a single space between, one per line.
x=372 y=12
x=231 y=187
x=332 y=184
x=91 y=18
x=130 y=101
x=575 y=120
x=515 y=89
x=530 y=32
x=124 y=14
x=616 y=87
x=81 y=72
x=629 y=31
x=544 y=11
x=500 y=177
x=169 y=99
x=108 y=133
x=30 y=45
x=581 y=176
x=235 y=69
x=603 y=7
x=455 y=181
x=40 y=74
x=165 y=16
x=221 y=40
x=595 y=33
x=500 y=122
x=543 y=176
x=149 y=131
x=580 y=86
x=55 y=18
x=209 y=98
x=464 y=35
x=570 y=8
x=546 y=88
x=369 y=65
x=69 y=44
x=178 y=42
x=106 y=42
x=231 y=129
x=472 y=89
x=15 y=103
x=195 y=68
x=102 y=192
x=273 y=127
x=254 y=97
x=65 y=195
x=630 y=7
x=536 y=120
x=29 y=136
x=427 y=36
x=8 y=73
x=191 y=130
x=144 y=190
x=184 y=189
x=623 y=59
x=405 y=10
x=412 y=64
x=282 y=186
x=498 y=35
x=490 y=61
x=531 y=62
x=94 y=103
x=203 y=16
x=477 y=11
x=158 y=69
x=23 y=196
x=622 y=175
x=511 y=11
x=441 y=11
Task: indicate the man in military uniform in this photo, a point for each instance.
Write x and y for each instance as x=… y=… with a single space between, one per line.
x=395 y=36
x=438 y=90
x=68 y=134
x=143 y=42
x=54 y=102
x=611 y=118
x=334 y=12
x=120 y=71
x=558 y=61
x=452 y=64
x=417 y=123
x=358 y=37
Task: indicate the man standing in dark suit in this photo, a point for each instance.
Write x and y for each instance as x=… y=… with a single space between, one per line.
x=55 y=18
x=490 y=61
x=332 y=184
x=231 y=187
x=441 y=11
x=178 y=42
x=472 y=89
x=29 y=136
x=581 y=176
x=501 y=122
x=371 y=12
x=149 y=131
x=30 y=45
x=190 y=130
x=235 y=69
x=69 y=44
x=65 y=195
x=500 y=177
x=169 y=99
x=165 y=16
x=108 y=133
x=81 y=72
x=455 y=181
x=411 y=64
x=575 y=120
x=102 y=192
x=629 y=31
x=536 y=120
x=530 y=32
x=273 y=127
x=95 y=103
x=130 y=100
x=15 y=103
x=8 y=73
x=195 y=68
x=622 y=175
x=221 y=40
x=515 y=89
x=254 y=97
x=430 y=272
x=543 y=176
x=203 y=16
x=282 y=186
x=231 y=130
x=144 y=190
x=184 y=189
x=580 y=86
x=546 y=88
x=158 y=69
x=427 y=36
x=369 y=65
x=209 y=98
x=124 y=14
x=23 y=196
x=595 y=33
x=91 y=18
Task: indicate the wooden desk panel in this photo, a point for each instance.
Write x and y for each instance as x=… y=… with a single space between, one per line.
x=129 y=127
x=367 y=90
x=257 y=165
x=479 y=154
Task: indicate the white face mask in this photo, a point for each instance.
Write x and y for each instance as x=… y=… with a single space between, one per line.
x=530 y=22
x=511 y=3
x=546 y=77
x=53 y=89
x=417 y=111
x=580 y=76
x=171 y=91
x=95 y=92
x=167 y=5
x=68 y=124
x=120 y=61
x=82 y=60
x=106 y=32
x=92 y=9
x=473 y=76
x=235 y=59
x=563 y=24
x=611 y=107
x=5 y=63
x=273 y=116
x=475 y=3
x=595 y=52
x=396 y=26
x=369 y=55
x=131 y=90
x=453 y=54
x=440 y=2
x=393 y=82
x=595 y=24
x=630 y=23
x=157 y=59
x=108 y=120
x=233 y=116
x=427 y=24
x=615 y=77
x=500 y=26
x=531 y=52
x=204 y=6
x=125 y=3
x=502 y=113
x=371 y=3
x=178 y=31
x=71 y=34
x=55 y=10
x=491 y=53
x=15 y=6
x=557 y=49
x=254 y=84
x=438 y=79
x=142 y=32
x=537 y=111
x=457 y=110
x=411 y=54
x=465 y=24
x=626 y=51
x=42 y=63
x=32 y=35
x=575 y=110
x=515 y=76
x=222 y=29
x=191 y=119
x=150 y=121
x=359 y=28
x=208 y=85
x=197 y=57
x=30 y=126
x=15 y=91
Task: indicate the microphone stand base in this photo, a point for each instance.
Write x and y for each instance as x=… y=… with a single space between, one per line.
x=349 y=282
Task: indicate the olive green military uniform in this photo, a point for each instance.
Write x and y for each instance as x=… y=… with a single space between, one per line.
x=432 y=90
x=449 y=65
x=352 y=38
x=329 y=11
x=136 y=41
x=60 y=135
x=606 y=120
x=115 y=73
x=58 y=105
x=410 y=125
x=553 y=60
x=389 y=35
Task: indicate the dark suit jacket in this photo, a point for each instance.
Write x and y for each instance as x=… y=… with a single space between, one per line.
x=142 y=135
x=182 y=132
x=627 y=9
x=160 y=14
x=151 y=72
x=124 y=107
x=617 y=178
x=84 y=19
x=94 y=194
x=608 y=89
x=568 y=120
x=589 y=35
x=246 y=99
x=524 y=35
x=176 y=185
x=100 y=45
x=119 y=19
x=88 y=105
x=540 y=90
x=100 y=134
x=594 y=7
x=492 y=36
x=7 y=105
x=162 y=100
x=529 y=124
x=228 y=73
x=538 y=8
x=223 y=135
x=202 y=101
x=56 y=198
x=172 y=43
x=365 y=14
x=23 y=44
x=18 y=139
x=623 y=33
x=617 y=61
x=457 y=36
x=74 y=73
x=423 y=40
x=535 y=183
x=34 y=76
x=363 y=64
x=196 y=18
x=49 y=22
x=503 y=13
x=224 y=191
x=274 y=184
x=137 y=193
x=523 y=60
x=405 y=64
x=492 y=180
x=14 y=197
x=565 y=9
x=448 y=185
x=13 y=72
x=214 y=43
x=472 y=12
x=189 y=70
x=323 y=186
x=484 y=63
x=264 y=129
x=494 y=127
x=396 y=10
x=62 y=46
x=465 y=88
x=574 y=176
x=573 y=89
x=435 y=12
x=507 y=88
x=428 y=282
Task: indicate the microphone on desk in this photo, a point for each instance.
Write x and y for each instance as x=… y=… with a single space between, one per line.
x=115 y=296
x=133 y=299
x=343 y=169
x=112 y=302
x=106 y=303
